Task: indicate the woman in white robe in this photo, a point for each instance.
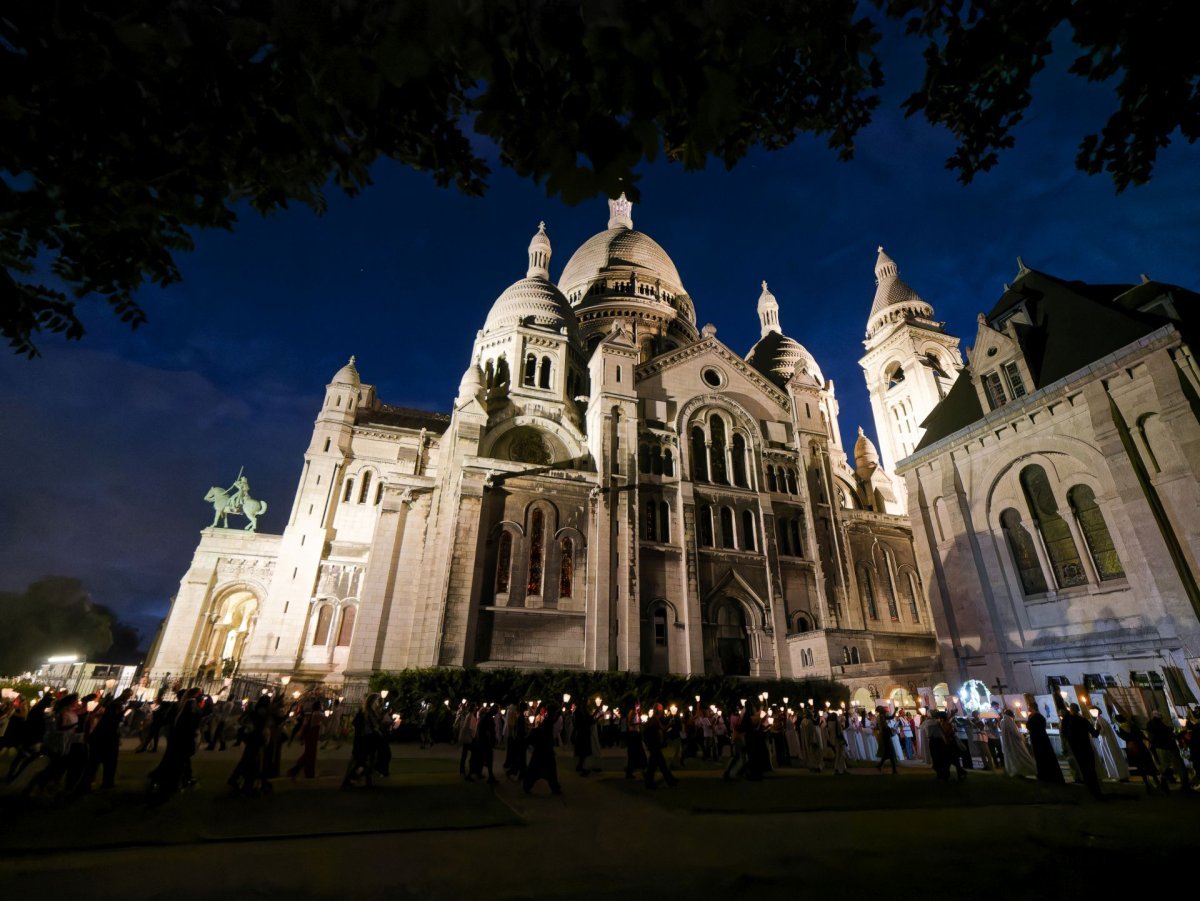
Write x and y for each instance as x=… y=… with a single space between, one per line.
x=1018 y=759
x=855 y=749
x=1109 y=753
x=870 y=744
x=810 y=741
x=793 y=739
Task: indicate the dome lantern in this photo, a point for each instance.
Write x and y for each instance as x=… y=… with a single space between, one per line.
x=620 y=212
x=768 y=312
x=539 y=254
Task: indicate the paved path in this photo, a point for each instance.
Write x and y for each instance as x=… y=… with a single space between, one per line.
x=426 y=834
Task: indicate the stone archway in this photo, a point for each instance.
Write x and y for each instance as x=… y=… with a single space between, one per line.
x=731 y=637
x=231 y=625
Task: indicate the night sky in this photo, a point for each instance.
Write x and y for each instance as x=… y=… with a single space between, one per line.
x=109 y=445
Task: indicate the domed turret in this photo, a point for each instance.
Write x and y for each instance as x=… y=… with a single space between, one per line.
x=893 y=298
x=533 y=301
x=347 y=375
x=866 y=457
x=471 y=384
x=776 y=355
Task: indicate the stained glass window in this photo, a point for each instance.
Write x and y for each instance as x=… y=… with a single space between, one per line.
x=706 y=526
x=739 y=461
x=347 y=627
x=1095 y=533
x=1056 y=534
x=566 y=573
x=717 y=427
x=1020 y=543
x=868 y=592
x=699 y=456
x=727 y=536
x=749 y=542
x=534 y=586
x=324 y=621
x=503 y=562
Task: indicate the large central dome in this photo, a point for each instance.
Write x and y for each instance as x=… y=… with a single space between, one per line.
x=622 y=275
x=619 y=250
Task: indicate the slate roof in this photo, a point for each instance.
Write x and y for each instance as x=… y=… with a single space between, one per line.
x=403 y=417
x=1073 y=324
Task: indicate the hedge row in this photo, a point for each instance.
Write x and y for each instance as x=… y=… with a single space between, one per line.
x=408 y=688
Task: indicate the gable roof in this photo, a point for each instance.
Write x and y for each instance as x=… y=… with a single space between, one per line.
x=710 y=344
x=1071 y=325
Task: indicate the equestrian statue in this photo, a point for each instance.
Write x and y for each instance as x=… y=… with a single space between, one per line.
x=236 y=500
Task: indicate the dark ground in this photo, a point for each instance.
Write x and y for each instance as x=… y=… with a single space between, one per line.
x=424 y=833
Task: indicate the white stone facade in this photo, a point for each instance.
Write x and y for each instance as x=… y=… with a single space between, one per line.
x=1056 y=501
x=614 y=488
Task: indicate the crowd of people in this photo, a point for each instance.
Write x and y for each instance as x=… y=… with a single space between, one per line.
x=80 y=737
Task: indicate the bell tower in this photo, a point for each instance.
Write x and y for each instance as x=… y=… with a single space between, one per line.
x=910 y=364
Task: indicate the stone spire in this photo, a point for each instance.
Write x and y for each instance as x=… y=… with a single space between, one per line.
x=620 y=212
x=539 y=254
x=768 y=312
x=347 y=375
x=866 y=457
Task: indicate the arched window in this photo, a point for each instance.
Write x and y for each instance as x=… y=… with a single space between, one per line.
x=668 y=463
x=771 y=486
x=784 y=536
x=699 y=456
x=797 y=543
x=664 y=522
x=1025 y=558
x=1095 y=532
x=803 y=624
x=501 y=371
x=660 y=627
x=727 y=534
x=1056 y=534
x=895 y=376
x=845 y=654
x=909 y=581
x=739 y=461
x=346 y=629
x=489 y=375
x=324 y=620
x=651 y=530
x=364 y=491
x=644 y=459
x=618 y=374
x=503 y=562
x=706 y=526
x=566 y=572
x=544 y=375
x=791 y=482
x=854 y=658
x=378 y=493
x=349 y=491
x=327 y=442
x=889 y=572
x=717 y=427
x=868 y=592
x=749 y=536
x=656 y=461
x=531 y=370
x=536 y=528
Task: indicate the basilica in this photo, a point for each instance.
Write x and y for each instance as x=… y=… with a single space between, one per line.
x=614 y=488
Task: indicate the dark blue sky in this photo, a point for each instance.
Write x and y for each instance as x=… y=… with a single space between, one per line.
x=110 y=445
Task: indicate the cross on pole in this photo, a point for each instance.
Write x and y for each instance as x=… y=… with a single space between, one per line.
x=999 y=686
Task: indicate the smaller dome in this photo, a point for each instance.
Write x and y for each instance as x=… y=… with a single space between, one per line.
x=347 y=375
x=865 y=454
x=780 y=358
x=471 y=384
x=532 y=301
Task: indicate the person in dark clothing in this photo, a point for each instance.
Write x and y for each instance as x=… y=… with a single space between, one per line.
x=175 y=769
x=252 y=733
x=368 y=739
x=517 y=735
x=1078 y=733
x=1165 y=746
x=1137 y=751
x=310 y=735
x=581 y=738
x=635 y=751
x=483 y=749
x=654 y=734
x=883 y=738
x=542 y=763
x=29 y=744
x=1048 y=769
x=163 y=713
x=104 y=744
x=758 y=757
